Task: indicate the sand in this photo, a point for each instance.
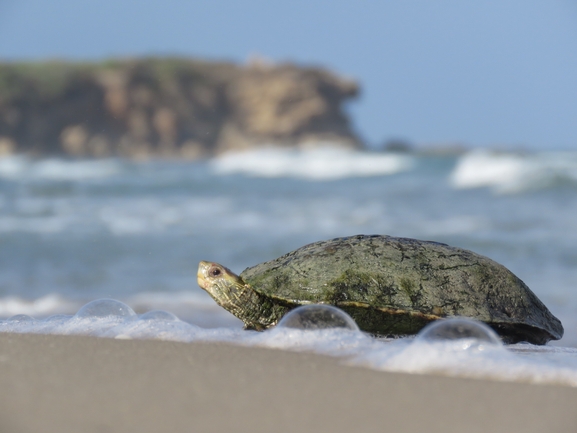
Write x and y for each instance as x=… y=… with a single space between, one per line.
x=82 y=384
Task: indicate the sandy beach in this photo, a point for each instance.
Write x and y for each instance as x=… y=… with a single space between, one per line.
x=85 y=384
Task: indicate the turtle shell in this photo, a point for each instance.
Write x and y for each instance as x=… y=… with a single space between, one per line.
x=395 y=286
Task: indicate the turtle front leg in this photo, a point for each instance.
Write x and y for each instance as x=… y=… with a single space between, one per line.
x=253 y=327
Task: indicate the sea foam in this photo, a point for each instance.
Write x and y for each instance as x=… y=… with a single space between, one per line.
x=465 y=355
x=510 y=173
x=20 y=167
x=46 y=305
x=313 y=164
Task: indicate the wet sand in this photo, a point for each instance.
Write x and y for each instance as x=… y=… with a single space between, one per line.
x=71 y=384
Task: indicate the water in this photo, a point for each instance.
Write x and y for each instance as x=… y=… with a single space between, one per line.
x=475 y=352
x=76 y=231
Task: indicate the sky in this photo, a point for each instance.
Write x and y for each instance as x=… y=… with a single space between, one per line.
x=500 y=73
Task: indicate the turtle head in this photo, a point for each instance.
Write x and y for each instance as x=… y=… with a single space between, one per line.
x=220 y=283
x=233 y=294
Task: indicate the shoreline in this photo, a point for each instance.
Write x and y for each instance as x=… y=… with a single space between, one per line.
x=67 y=384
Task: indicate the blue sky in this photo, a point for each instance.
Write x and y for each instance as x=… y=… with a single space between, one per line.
x=491 y=72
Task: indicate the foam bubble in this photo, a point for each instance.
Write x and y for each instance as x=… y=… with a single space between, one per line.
x=470 y=333
x=318 y=316
x=21 y=318
x=158 y=315
x=105 y=308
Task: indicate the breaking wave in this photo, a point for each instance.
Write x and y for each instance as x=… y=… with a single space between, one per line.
x=510 y=173
x=313 y=164
x=192 y=306
x=20 y=167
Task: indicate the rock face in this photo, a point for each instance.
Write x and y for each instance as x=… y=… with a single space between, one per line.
x=168 y=107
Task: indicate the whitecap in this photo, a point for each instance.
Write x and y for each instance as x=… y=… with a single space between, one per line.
x=46 y=305
x=13 y=167
x=20 y=168
x=313 y=164
x=509 y=173
x=58 y=169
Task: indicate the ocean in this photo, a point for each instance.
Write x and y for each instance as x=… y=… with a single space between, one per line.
x=74 y=231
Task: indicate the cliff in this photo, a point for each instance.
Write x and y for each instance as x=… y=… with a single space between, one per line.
x=168 y=107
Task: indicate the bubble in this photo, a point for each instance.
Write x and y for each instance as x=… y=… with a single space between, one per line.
x=103 y=308
x=317 y=316
x=458 y=328
x=21 y=318
x=158 y=315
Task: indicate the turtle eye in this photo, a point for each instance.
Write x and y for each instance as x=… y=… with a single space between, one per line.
x=214 y=271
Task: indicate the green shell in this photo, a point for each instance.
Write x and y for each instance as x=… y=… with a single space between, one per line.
x=395 y=286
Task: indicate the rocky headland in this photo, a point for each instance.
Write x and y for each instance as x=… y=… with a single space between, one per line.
x=169 y=107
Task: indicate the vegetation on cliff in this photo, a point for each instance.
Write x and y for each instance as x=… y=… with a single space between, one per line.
x=168 y=107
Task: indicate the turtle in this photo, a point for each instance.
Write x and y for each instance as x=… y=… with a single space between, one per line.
x=391 y=286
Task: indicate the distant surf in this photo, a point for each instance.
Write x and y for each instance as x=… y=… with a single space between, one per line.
x=54 y=169
x=314 y=164
x=512 y=173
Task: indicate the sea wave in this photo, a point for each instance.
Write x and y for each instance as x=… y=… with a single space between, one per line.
x=314 y=164
x=191 y=306
x=510 y=173
x=40 y=307
x=22 y=168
